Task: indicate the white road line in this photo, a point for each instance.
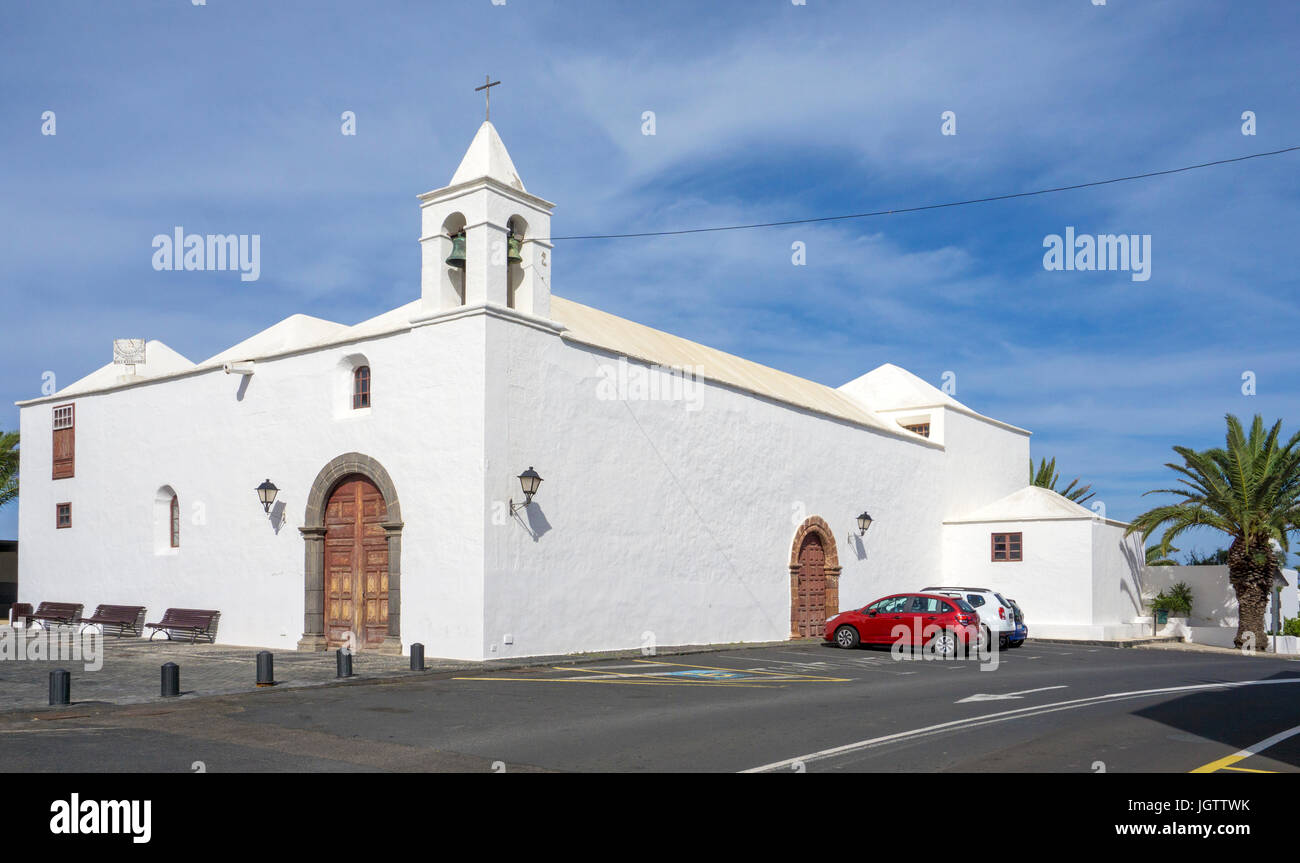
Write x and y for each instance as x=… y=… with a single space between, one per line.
x=983 y=696
x=1003 y=716
x=1268 y=742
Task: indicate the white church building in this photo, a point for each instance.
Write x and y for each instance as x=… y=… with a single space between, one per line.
x=687 y=495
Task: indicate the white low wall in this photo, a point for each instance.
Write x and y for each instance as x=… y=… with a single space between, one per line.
x=1213 y=620
x=1107 y=632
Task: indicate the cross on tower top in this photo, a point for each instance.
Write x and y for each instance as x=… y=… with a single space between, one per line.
x=488 y=84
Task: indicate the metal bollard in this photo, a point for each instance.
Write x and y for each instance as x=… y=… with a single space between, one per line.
x=343 y=659
x=60 y=687
x=265 y=668
x=417 y=657
x=171 y=680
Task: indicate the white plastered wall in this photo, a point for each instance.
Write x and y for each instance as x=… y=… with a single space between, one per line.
x=214 y=444
x=660 y=524
x=1052 y=585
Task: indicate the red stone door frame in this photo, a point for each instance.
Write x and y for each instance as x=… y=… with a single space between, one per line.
x=816 y=525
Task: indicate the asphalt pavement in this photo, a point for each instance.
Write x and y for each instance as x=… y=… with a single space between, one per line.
x=796 y=708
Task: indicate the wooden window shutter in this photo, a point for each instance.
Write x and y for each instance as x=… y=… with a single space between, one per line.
x=64 y=442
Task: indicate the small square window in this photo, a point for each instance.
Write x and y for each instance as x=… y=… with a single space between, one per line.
x=1007 y=547
x=63 y=515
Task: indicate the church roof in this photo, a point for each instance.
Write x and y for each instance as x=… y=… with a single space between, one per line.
x=160 y=361
x=1031 y=503
x=889 y=387
x=619 y=335
x=487 y=157
x=293 y=333
x=583 y=324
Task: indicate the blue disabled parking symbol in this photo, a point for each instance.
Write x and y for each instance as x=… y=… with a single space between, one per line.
x=710 y=674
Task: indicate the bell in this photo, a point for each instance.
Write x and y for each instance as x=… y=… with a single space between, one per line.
x=457 y=256
x=512 y=251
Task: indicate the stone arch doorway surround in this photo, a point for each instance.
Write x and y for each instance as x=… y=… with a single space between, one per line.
x=814 y=578
x=313 y=533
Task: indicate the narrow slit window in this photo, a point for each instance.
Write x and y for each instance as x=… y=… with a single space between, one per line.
x=923 y=429
x=176 y=522
x=361 y=388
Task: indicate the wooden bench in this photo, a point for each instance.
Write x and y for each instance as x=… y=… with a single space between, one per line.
x=198 y=622
x=57 y=613
x=126 y=618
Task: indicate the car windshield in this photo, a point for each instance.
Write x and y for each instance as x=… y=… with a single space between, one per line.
x=890 y=605
x=975 y=599
x=963 y=605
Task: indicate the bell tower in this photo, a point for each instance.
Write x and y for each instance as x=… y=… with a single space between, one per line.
x=484 y=240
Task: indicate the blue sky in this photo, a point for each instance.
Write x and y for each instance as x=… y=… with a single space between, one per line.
x=225 y=118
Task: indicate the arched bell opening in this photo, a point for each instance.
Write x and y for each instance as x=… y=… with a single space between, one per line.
x=453 y=254
x=516 y=232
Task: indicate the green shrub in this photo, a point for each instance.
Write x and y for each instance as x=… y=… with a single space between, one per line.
x=1291 y=626
x=1177 y=601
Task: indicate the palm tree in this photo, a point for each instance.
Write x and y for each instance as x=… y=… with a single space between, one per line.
x=1157 y=556
x=8 y=467
x=1250 y=490
x=1046 y=477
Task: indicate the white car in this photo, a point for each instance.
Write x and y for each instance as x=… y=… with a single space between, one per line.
x=996 y=613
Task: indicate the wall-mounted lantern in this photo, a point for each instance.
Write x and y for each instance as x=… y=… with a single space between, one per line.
x=266 y=493
x=529 y=480
x=864 y=522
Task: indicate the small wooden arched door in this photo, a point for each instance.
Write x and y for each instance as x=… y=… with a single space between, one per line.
x=356 y=564
x=810 y=589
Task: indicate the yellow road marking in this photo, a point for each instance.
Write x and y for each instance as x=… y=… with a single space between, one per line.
x=625 y=682
x=1249 y=770
x=776 y=678
x=1227 y=761
x=781 y=674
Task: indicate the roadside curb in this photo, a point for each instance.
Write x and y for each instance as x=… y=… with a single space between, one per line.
x=1097 y=642
x=632 y=653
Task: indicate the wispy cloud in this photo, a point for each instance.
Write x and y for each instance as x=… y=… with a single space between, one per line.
x=226 y=118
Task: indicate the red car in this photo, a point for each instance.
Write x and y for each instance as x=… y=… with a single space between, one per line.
x=927 y=619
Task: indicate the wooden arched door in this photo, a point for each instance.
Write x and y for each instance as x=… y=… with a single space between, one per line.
x=356 y=564
x=810 y=589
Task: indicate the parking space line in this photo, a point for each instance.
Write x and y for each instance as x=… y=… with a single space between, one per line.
x=1241 y=755
x=618 y=682
x=656 y=673
x=1022 y=713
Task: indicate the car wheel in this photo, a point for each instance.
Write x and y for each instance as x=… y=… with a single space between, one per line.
x=986 y=640
x=1003 y=641
x=1020 y=643
x=846 y=637
x=943 y=644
